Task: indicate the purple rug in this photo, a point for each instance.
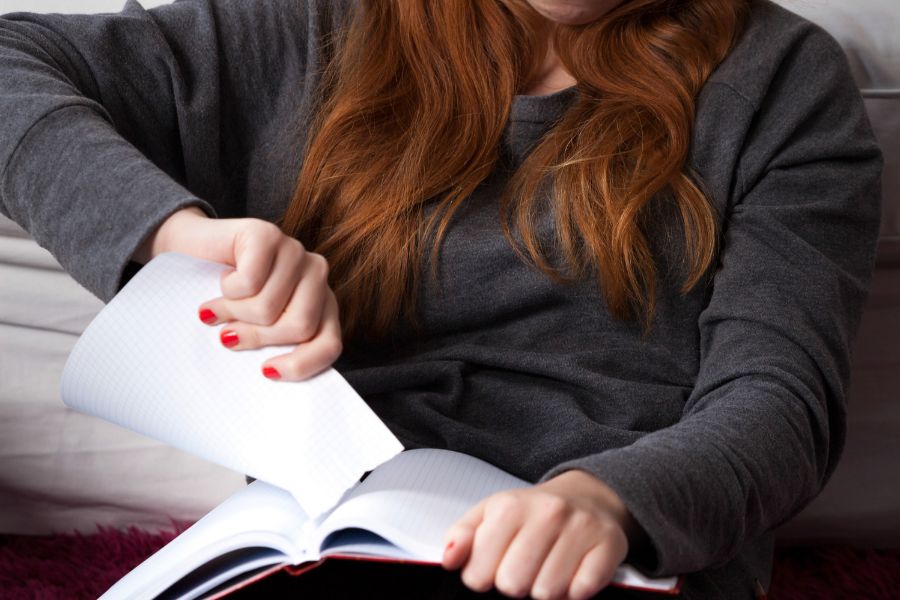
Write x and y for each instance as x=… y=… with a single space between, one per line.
x=75 y=567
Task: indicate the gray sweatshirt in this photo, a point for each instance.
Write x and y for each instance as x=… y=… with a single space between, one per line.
x=714 y=428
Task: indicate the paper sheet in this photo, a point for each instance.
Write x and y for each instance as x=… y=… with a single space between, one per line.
x=416 y=496
x=148 y=363
x=259 y=516
x=413 y=498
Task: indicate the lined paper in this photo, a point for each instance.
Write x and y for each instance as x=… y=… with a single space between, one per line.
x=259 y=515
x=147 y=363
x=415 y=497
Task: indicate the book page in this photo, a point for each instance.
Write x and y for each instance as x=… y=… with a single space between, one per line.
x=411 y=501
x=147 y=363
x=263 y=520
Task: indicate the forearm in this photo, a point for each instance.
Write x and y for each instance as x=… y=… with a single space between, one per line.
x=87 y=195
x=704 y=487
x=584 y=484
x=174 y=235
x=70 y=172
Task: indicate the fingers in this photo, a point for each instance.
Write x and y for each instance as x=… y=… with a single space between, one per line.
x=255 y=246
x=531 y=543
x=282 y=271
x=277 y=294
x=557 y=573
x=529 y=550
x=460 y=536
x=502 y=520
x=596 y=571
x=313 y=356
x=296 y=323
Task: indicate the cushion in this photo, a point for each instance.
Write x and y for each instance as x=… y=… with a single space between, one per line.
x=60 y=470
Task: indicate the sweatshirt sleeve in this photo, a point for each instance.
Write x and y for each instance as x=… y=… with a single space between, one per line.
x=764 y=425
x=111 y=122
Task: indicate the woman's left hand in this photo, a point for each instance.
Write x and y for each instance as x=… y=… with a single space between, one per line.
x=563 y=538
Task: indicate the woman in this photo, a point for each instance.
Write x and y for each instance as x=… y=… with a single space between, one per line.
x=616 y=248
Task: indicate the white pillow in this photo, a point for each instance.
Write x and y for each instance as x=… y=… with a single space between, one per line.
x=867 y=30
x=60 y=470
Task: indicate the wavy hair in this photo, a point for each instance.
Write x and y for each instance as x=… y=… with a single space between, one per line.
x=414 y=104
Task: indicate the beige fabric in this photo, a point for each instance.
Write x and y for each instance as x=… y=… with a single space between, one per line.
x=60 y=470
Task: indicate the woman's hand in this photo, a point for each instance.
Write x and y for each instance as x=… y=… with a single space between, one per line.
x=277 y=293
x=563 y=538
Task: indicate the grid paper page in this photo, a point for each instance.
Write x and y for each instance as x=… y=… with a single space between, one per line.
x=147 y=363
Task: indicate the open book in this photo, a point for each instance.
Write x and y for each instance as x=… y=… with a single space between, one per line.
x=400 y=511
x=148 y=364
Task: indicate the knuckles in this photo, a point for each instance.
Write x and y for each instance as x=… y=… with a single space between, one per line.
x=332 y=348
x=580 y=520
x=553 y=509
x=505 y=507
x=261 y=229
x=318 y=265
x=293 y=249
x=240 y=285
x=300 y=330
x=553 y=513
x=266 y=310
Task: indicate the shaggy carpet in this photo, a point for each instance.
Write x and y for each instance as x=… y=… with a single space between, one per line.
x=74 y=567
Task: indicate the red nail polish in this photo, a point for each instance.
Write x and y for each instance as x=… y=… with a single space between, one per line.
x=229 y=338
x=271 y=373
x=208 y=316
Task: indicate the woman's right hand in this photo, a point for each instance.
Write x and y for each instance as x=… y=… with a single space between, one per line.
x=276 y=294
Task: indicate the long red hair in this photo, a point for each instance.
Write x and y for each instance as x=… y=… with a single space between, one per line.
x=414 y=104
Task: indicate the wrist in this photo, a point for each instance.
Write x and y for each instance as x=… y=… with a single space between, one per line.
x=171 y=235
x=604 y=499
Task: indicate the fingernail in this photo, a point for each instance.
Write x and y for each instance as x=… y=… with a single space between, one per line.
x=229 y=338
x=208 y=316
x=271 y=373
x=449 y=547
